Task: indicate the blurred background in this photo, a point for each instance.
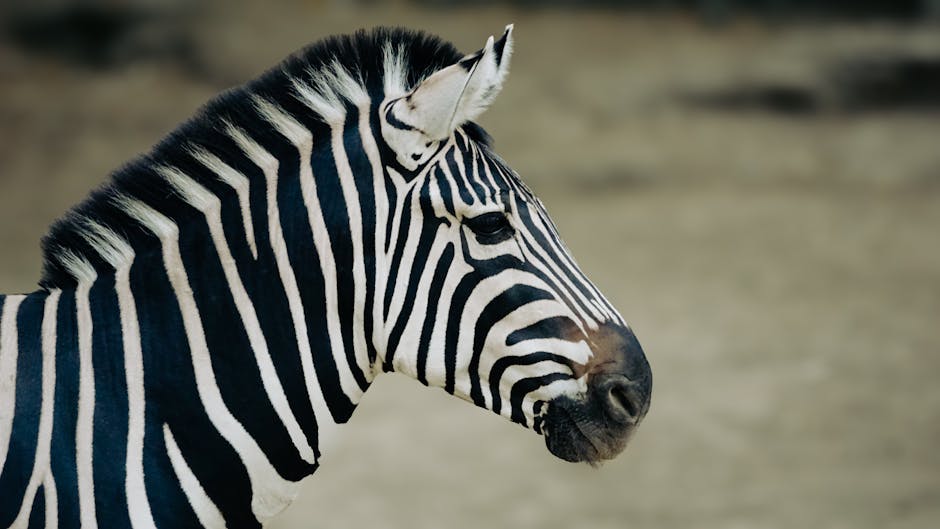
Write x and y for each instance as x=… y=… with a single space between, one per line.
x=756 y=185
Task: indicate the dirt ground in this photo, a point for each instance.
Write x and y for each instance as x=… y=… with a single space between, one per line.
x=779 y=263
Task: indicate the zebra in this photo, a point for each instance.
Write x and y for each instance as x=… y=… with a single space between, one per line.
x=208 y=319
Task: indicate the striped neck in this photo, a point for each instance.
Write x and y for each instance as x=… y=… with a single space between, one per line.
x=232 y=332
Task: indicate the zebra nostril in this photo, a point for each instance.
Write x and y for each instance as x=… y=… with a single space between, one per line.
x=618 y=397
x=622 y=400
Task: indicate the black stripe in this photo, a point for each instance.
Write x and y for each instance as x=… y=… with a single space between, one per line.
x=527 y=385
x=430 y=318
x=303 y=259
x=361 y=169
x=477 y=180
x=499 y=307
x=505 y=362
x=393 y=120
x=37 y=515
x=233 y=361
x=391 y=193
x=404 y=229
x=445 y=190
x=429 y=230
x=109 y=450
x=458 y=301
x=563 y=288
x=561 y=327
x=24 y=432
x=500 y=46
x=172 y=398
x=168 y=504
x=63 y=464
x=336 y=216
x=457 y=174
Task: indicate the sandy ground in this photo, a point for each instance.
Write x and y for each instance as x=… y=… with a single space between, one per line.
x=782 y=272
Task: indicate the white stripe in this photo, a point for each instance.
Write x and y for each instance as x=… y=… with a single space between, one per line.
x=409 y=253
x=44 y=436
x=135 y=488
x=381 y=226
x=484 y=176
x=269 y=166
x=9 y=345
x=401 y=190
x=84 y=428
x=208 y=514
x=242 y=187
x=200 y=198
x=52 y=502
x=435 y=368
x=449 y=179
x=354 y=212
x=461 y=166
x=406 y=354
x=270 y=492
x=120 y=256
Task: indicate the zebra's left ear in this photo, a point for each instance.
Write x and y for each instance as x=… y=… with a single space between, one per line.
x=447 y=99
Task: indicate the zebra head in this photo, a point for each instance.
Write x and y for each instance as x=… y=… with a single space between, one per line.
x=482 y=297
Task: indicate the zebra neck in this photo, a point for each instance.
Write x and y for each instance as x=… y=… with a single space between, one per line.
x=253 y=327
x=231 y=335
x=185 y=373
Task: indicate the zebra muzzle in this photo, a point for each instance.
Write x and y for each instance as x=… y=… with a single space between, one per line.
x=597 y=425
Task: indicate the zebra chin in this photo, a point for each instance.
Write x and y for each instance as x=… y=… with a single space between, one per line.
x=597 y=426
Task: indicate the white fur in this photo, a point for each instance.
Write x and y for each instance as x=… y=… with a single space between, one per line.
x=396 y=74
x=111 y=247
x=327 y=89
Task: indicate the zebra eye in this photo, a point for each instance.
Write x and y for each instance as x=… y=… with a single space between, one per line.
x=490 y=227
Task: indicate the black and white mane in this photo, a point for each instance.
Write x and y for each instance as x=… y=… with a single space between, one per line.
x=377 y=60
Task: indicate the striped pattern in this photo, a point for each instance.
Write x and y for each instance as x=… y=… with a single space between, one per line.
x=210 y=319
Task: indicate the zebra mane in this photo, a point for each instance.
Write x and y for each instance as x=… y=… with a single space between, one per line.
x=318 y=81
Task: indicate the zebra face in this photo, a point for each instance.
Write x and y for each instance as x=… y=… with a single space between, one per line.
x=484 y=299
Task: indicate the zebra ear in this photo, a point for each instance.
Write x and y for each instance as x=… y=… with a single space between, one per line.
x=456 y=94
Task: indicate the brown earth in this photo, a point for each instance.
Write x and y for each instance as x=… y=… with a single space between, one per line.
x=780 y=267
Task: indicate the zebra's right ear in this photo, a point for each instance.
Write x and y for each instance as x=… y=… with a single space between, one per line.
x=452 y=96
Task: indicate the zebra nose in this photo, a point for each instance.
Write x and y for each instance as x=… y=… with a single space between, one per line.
x=625 y=401
x=620 y=377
